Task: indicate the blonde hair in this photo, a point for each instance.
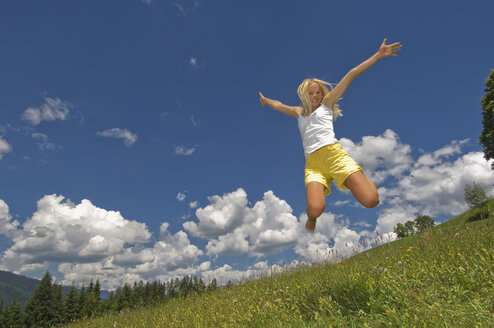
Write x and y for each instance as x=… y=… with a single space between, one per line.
x=304 y=96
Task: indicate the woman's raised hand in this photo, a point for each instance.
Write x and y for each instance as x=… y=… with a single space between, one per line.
x=389 y=49
x=262 y=99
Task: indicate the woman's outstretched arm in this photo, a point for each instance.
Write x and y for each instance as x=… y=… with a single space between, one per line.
x=294 y=111
x=338 y=91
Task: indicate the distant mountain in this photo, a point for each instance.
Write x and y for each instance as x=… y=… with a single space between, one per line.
x=16 y=287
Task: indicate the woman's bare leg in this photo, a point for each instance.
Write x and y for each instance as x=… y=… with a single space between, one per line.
x=315 y=204
x=363 y=189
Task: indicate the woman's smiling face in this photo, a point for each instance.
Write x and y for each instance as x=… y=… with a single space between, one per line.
x=315 y=95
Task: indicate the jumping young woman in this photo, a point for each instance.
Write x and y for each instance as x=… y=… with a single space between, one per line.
x=325 y=159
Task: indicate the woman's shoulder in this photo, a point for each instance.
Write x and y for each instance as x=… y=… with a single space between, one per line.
x=298 y=111
x=327 y=106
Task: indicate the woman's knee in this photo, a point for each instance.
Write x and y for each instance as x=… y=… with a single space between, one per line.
x=315 y=199
x=371 y=201
x=315 y=209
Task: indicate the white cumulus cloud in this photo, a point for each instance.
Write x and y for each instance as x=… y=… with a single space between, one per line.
x=222 y=216
x=186 y=10
x=4 y=147
x=61 y=232
x=43 y=141
x=233 y=227
x=128 y=137
x=88 y=242
x=50 y=110
x=171 y=257
x=434 y=185
x=173 y=252
x=226 y=273
x=380 y=157
x=7 y=227
x=180 y=150
x=181 y=197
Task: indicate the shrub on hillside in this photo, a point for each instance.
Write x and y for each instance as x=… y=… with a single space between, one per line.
x=420 y=224
x=476 y=196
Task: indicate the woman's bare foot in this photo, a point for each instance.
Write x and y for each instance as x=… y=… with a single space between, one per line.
x=310 y=224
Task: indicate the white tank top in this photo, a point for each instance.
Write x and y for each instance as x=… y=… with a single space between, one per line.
x=317 y=129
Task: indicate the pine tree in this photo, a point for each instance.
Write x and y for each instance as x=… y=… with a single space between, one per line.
x=97 y=290
x=172 y=288
x=57 y=304
x=72 y=310
x=124 y=298
x=43 y=309
x=108 y=304
x=13 y=316
x=186 y=286
x=149 y=298
x=82 y=302
x=97 y=297
x=91 y=301
x=487 y=135
x=2 y=316
x=213 y=285
x=201 y=286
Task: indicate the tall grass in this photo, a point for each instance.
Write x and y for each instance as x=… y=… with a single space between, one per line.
x=441 y=278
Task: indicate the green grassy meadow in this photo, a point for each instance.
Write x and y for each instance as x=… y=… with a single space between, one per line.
x=440 y=278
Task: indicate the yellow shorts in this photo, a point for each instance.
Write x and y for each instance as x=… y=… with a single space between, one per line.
x=328 y=163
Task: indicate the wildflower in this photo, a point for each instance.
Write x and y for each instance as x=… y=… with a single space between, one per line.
x=400 y=262
x=457 y=235
x=277 y=300
x=282 y=291
x=234 y=301
x=410 y=249
x=299 y=286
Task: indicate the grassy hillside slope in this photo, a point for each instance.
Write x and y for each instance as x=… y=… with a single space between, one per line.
x=441 y=278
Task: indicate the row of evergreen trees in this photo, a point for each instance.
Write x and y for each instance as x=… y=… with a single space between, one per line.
x=49 y=307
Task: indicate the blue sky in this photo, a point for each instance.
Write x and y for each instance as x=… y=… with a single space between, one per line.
x=133 y=145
